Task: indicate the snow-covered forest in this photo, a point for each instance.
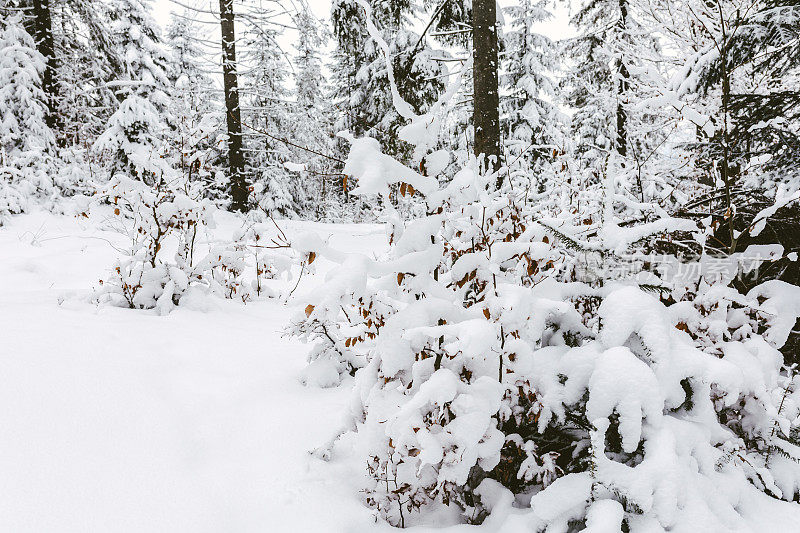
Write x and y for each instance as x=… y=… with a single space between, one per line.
x=449 y=265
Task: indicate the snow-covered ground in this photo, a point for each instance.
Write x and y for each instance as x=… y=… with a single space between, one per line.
x=119 y=420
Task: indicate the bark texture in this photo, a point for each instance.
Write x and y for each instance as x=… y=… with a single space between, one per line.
x=486 y=114
x=238 y=182
x=43 y=33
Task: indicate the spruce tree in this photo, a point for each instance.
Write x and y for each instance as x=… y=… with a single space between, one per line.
x=740 y=74
x=198 y=118
x=135 y=133
x=312 y=115
x=360 y=71
x=532 y=122
x=26 y=140
x=266 y=120
x=609 y=69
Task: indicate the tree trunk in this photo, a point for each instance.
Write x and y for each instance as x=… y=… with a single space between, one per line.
x=486 y=114
x=237 y=180
x=43 y=33
x=726 y=100
x=622 y=88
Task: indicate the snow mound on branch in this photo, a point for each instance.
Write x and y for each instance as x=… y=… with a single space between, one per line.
x=782 y=302
x=375 y=170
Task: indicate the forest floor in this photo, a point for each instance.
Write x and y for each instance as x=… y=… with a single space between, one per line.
x=120 y=420
x=116 y=420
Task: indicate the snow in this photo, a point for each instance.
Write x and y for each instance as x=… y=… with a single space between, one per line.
x=782 y=302
x=121 y=420
x=625 y=383
x=294 y=167
x=376 y=171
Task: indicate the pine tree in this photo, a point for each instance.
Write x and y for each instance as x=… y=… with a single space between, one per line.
x=308 y=66
x=312 y=115
x=532 y=122
x=365 y=100
x=265 y=115
x=197 y=115
x=143 y=64
x=739 y=76
x=87 y=60
x=766 y=117
x=136 y=131
x=26 y=140
x=609 y=76
x=451 y=22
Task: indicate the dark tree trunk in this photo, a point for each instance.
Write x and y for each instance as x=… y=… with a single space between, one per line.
x=725 y=166
x=622 y=88
x=486 y=114
x=237 y=179
x=43 y=33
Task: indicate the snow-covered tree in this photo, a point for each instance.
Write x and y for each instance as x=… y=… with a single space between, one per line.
x=312 y=116
x=614 y=61
x=197 y=115
x=135 y=133
x=266 y=119
x=309 y=81
x=532 y=122
x=735 y=81
x=84 y=68
x=364 y=98
x=25 y=138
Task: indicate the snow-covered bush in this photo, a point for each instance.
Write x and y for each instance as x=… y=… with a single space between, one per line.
x=673 y=433
x=168 y=248
x=259 y=252
x=151 y=217
x=344 y=318
x=489 y=364
x=487 y=368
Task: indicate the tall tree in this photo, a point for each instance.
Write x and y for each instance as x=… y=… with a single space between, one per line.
x=614 y=62
x=236 y=176
x=532 y=123
x=85 y=58
x=361 y=75
x=197 y=115
x=25 y=137
x=265 y=113
x=44 y=42
x=312 y=117
x=136 y=132
x=486 y=97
